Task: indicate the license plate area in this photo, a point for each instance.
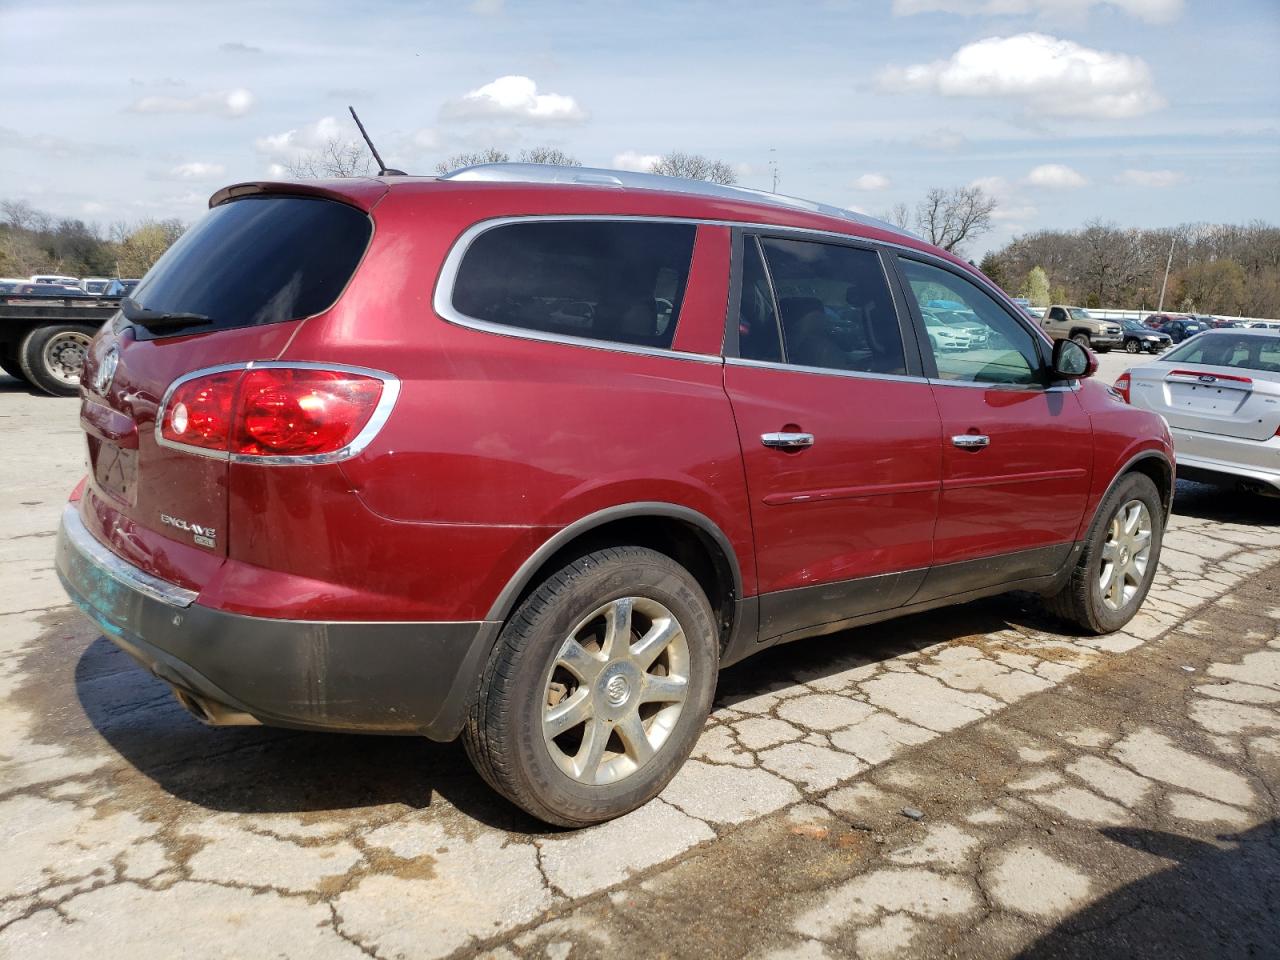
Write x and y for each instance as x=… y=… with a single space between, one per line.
x=115 y=470
x=1206 y=398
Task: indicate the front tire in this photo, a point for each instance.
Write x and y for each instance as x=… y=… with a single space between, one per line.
x=1082 y=339
x=1132 y=346
x=1115 y=569
x=597 y=688
x=51 y=357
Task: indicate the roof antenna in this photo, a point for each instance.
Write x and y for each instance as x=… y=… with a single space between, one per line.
x=383 y=169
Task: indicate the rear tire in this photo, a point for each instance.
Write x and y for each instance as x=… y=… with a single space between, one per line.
x=51 y=357
x=632 y=724
x=1112 y=576
x=9 y=363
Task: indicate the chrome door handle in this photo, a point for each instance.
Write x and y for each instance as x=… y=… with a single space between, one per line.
x=971 y=441
x=787 y=441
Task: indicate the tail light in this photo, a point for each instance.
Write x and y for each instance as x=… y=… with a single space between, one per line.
x=276 y=413
x=1122 y=387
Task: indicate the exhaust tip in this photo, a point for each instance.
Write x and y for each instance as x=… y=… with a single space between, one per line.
x=212 y=713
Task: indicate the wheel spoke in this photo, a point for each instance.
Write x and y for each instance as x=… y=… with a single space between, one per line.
x=631 y=731
x=574 y=657
x=1110 y=550
x=586 y=761
x=663 y=689
x=647 y=648
x=568 y=713
x=1141 y=540
x=1115 y=592
x=617 y=618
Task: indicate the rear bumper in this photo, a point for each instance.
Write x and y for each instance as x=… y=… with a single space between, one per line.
x=1213 y=458
x=227 y=668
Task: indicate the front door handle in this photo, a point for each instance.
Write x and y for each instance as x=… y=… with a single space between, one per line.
x=971 y=441
x=787 y=441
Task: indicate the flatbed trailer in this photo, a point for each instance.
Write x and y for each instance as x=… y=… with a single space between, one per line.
x=43 y=338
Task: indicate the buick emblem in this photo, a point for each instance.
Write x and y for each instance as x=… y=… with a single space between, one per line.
x=106 y=371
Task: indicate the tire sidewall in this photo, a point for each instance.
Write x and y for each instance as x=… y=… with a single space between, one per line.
x=1134 y=486
x=678 y=591
x=31 y=357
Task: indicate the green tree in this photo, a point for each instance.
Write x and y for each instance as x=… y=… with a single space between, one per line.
x=1036 y=287
x=1217 y=286
x=145 y=245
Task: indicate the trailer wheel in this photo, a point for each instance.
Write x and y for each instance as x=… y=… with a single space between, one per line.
x=9 y=362
x=51 y=357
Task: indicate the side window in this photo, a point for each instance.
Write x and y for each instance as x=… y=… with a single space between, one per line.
x=972 y=337
x=621 y=281
x=835 y=307
x=758 y=335
x=1057 y=313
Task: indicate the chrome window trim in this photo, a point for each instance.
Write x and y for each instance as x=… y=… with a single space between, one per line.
x=442 y=298
x=381 y=413
x=828 y=371
x=116 y=567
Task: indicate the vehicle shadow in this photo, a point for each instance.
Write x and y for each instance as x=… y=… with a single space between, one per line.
x=10 y=384
x=1216 y=900
x=262 y=770
x=1225 y=505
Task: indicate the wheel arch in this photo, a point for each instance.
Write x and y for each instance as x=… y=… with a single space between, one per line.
x=1152 y=463
x=690 y=538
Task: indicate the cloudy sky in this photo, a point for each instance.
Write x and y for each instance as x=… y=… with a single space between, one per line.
x=1145 y=112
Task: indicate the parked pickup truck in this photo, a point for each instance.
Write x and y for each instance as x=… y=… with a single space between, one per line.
x=1076 y=323
x=43 y=337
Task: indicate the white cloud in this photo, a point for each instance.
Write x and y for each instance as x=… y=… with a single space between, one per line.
x=229 y=103
x=872 y=181
x=1051 y=76
x=1055 y=176
x=196 y=171
x=517 y=98
x=1159 y=179
x=631 y=160
x=1151 y=11
x=280 y=148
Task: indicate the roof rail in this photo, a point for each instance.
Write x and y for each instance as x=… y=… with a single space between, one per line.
x=600 y=177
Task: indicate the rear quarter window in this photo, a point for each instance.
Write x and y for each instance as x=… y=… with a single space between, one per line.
x=258 y=260
x=616 y=281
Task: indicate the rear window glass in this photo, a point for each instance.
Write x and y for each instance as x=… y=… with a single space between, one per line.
x=620 y=281
x=1247 y=351
x=258 y=260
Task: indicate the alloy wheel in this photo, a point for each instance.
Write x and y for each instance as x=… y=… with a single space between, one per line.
x=616 y=689
x=1125 y=554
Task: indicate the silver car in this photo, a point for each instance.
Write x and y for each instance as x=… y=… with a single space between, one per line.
x=1220 y=392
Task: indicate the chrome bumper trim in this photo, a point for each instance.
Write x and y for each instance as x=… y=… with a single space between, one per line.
x=92 y=552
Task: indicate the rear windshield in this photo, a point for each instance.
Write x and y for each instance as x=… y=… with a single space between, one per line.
x=257 y=260
x=620 y=281
x=1247 y=351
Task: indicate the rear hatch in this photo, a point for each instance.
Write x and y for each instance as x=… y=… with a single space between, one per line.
x=1209 y=399
x=233 y=289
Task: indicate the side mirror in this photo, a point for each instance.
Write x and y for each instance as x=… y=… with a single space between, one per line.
x=1072 y=361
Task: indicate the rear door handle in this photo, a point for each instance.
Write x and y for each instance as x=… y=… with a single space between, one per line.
x=787 y=441
x=971 y=441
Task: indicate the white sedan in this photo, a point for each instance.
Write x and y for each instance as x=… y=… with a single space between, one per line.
x=1220 y=393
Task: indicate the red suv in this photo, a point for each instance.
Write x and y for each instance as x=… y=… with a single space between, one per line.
x=528 y=454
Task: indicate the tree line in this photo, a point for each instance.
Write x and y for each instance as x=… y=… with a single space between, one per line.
x=1216 y=268
x=32 y=241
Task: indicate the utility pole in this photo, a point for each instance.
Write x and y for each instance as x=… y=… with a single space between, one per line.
x=1167 y=264
x=773 y=167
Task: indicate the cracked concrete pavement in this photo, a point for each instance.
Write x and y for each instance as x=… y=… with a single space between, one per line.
x=1105 y=796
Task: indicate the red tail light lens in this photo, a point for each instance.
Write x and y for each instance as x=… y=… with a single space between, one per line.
x=294 y=412
x=198 y=413
x=1122 y=387
x=269 y=411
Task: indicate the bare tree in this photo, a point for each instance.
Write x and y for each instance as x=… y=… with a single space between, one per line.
x=551 y=155
x=487 y=155
x=947 y=218
x=334 y=158
x=693 y=166
x=899 y=215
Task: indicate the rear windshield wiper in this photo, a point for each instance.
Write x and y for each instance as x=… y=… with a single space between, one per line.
x=159 y=319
